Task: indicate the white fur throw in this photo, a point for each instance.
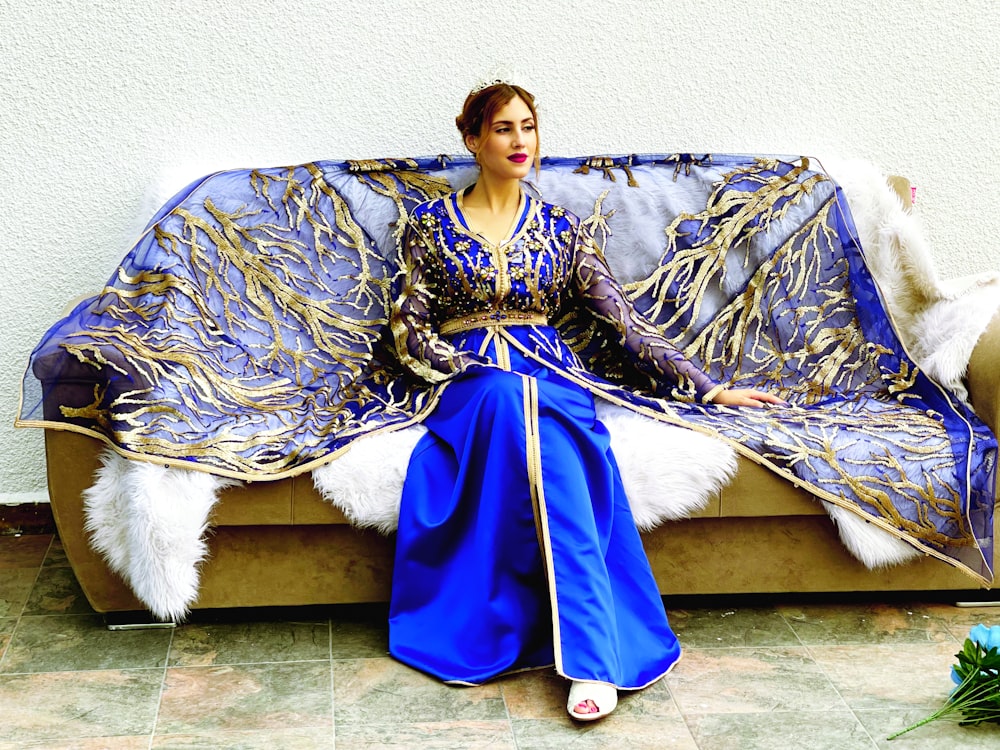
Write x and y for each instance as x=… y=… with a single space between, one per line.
x=366 y=482
x=938 y=321
x=149 y=522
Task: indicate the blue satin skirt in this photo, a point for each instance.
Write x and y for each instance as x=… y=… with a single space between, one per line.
x=516 y=546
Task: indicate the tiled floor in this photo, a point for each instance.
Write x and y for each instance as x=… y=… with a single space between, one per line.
x=765 y=675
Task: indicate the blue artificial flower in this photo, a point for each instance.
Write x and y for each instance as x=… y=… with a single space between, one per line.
x=977 y=681
x=986 y=637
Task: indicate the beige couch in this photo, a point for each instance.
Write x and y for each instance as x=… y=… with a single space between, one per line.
x=280 y=544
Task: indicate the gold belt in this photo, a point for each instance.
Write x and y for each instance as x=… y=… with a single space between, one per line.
x=497 y=319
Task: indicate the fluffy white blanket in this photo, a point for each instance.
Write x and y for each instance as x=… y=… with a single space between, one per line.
x=150 y=522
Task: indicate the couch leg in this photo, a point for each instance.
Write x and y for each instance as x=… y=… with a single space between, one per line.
x=138 y=620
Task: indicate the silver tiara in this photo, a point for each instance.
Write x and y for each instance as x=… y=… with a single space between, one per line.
x=486 y=84
x=500 y=73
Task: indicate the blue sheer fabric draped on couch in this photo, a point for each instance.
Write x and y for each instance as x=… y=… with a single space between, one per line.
x=246 y=334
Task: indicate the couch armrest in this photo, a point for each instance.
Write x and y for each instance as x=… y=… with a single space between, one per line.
x=984 y=376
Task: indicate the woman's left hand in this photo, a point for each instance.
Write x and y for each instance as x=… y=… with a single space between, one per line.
x=746 y=397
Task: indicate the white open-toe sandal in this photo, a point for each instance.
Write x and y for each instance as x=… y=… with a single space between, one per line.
x=604 y=696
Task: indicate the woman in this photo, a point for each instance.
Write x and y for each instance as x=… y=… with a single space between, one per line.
x=516 y=547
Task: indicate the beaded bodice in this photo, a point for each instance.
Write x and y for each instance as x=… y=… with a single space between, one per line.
x=469 y=275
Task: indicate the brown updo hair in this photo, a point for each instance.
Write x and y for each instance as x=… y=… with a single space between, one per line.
x=482 y=106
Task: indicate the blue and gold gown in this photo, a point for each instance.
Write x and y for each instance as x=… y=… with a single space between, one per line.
x=516 y=546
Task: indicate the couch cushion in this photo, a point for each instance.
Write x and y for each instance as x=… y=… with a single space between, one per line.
x=286 y=502
x=757 y=491
x=255 y=504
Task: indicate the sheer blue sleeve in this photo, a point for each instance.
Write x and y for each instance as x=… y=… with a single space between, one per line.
x=420 y=348
x=597 y=288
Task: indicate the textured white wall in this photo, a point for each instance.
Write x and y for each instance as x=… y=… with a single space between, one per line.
x=100 y=102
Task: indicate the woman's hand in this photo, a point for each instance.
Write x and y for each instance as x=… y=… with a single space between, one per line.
x=746 y=397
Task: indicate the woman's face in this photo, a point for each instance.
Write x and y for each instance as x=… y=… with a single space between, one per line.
x=506 y=147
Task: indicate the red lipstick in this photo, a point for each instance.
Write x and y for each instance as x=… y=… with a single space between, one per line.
x=518 y=158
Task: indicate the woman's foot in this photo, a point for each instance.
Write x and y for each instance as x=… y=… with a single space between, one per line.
x=590 y=701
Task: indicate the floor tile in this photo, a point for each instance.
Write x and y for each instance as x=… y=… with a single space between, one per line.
x=632 y=732
x=938 y=735
x=63 y=705
x=57 y=592
x=62 y=643
x=864 y=624
x=56 y=556
x=15 y=587
x=538 y=694
x=383 y=691
x=7 y=625
x=201 y=645
x=707 y=628
x=281 y=739
x=359 y=640
x=960 y=620
x=781 y=730
x=443 y=735
x=751 y=680
x=886 y=676
x=25 y=551
x=294 y=695
x=81 y=743
x=655 y=700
